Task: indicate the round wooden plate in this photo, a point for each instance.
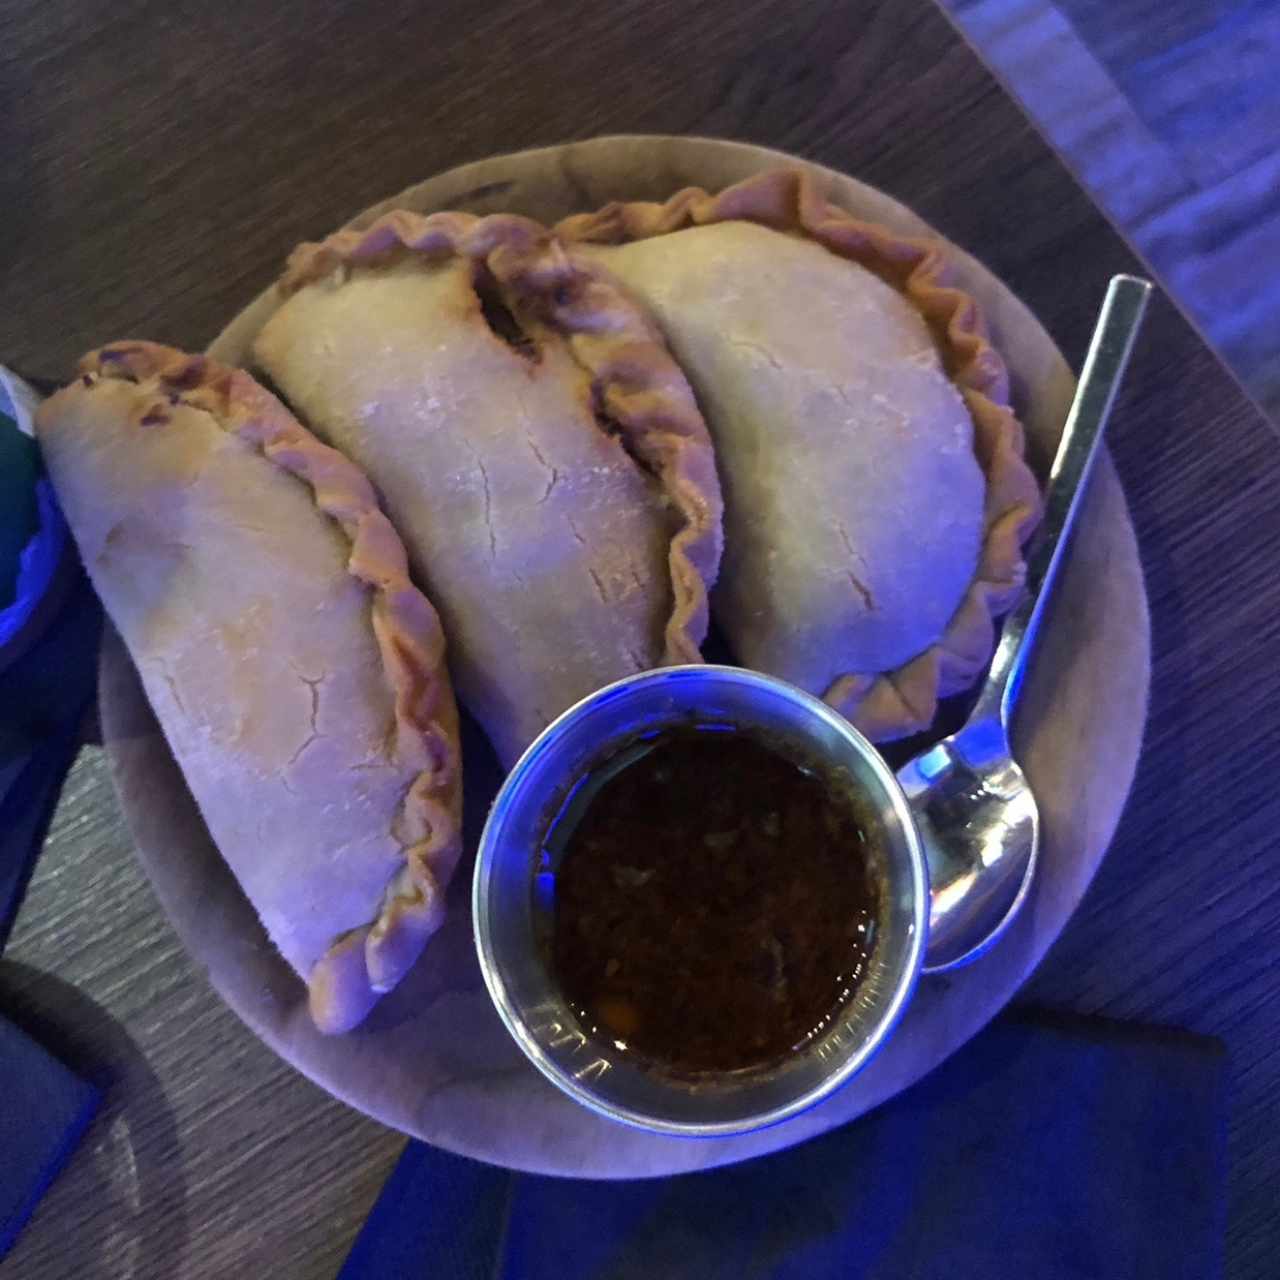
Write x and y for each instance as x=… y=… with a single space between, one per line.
x=433 y=1059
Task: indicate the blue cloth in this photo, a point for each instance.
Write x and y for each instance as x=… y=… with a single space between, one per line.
x=44 y=697
x=1047 y=1148
x=44 y=1109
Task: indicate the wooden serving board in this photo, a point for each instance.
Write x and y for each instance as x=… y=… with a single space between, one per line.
x=434 y=1060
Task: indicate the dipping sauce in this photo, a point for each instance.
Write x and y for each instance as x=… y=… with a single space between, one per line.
x=714 y=902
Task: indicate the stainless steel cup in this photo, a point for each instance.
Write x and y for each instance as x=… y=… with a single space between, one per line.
x=513 y=903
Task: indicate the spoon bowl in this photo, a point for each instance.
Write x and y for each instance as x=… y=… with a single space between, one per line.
x=980 y=828
x=972 y=804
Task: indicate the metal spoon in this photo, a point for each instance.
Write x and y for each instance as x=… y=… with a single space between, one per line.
x=971 y=801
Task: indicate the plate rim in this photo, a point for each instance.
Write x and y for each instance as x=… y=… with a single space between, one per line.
x=729 y=1149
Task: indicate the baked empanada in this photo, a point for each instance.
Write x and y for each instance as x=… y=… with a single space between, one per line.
x=297 y=673
x=532 y=439
x=876 y=497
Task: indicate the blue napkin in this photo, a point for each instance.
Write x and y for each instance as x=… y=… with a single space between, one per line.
x=44 y=698
x=45 y=693
x=43 y=1112
x=1048 y=1148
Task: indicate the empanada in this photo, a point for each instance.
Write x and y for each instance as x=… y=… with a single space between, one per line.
x=876 y=497
x=532 y=439
x=297 y=673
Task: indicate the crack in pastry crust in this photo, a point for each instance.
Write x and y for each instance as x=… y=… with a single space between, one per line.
x=892 y=704
x=366 y=962
x=636 y=383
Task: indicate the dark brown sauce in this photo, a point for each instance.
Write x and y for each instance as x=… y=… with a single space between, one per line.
x=714 y=902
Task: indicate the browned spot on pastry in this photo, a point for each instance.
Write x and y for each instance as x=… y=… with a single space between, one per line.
x=116 y=358
x=499 y=317
x=154 y=417
x=608 y=425
x=188 y=376
x=614 y=429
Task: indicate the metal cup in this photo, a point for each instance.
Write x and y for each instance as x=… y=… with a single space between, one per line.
x=513 y=903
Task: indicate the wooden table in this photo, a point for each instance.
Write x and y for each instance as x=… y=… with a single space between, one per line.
x=161 y=159
x=1173 y=126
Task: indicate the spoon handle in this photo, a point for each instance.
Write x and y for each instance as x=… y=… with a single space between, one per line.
x=1104 y=366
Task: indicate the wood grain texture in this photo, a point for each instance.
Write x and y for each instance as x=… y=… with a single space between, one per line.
x=1170 y=113
x=160 y=162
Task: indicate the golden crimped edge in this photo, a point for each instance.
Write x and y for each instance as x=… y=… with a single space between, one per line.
x=887 y=705
x=366 y=962
x=635 y=381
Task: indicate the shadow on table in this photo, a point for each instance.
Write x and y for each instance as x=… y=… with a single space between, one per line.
x=119 y=1208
